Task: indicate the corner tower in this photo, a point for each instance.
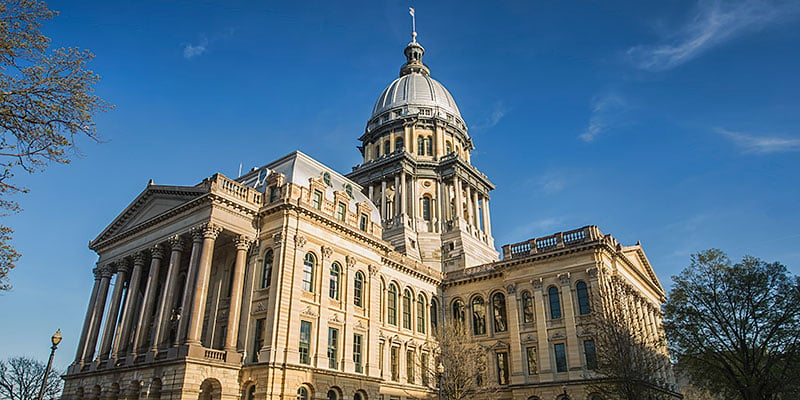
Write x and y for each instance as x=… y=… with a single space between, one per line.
x=416 y=168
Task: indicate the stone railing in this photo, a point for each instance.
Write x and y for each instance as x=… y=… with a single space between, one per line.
x=552 y=242
x=216 y=355
x=221 y=184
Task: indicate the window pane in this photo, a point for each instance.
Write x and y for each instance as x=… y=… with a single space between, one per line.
x=309 y=263
x=333 y=347
x=394 y=363
x=391 y=305
x=583 y=298
x=333 y=291
x=358 y=290
x=478 y=316
x=407 y=309
x=590 y=353
x=420 y=314
x=561 y=357
x=357 y=340
x=305 y=341
x=555 y=302
x=316 y=200
x=410 y=372
x=266 y=270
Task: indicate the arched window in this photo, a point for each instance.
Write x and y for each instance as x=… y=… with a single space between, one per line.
x=382 y=300
x=266 y=270
x=421 y=313
x=358 y=396
x=407 y=309
x=458 y=312
x=583 y=298
x=555 y=302
x=309 y=263
x=387 y=147
x=398 y=143
x=426 y=208
x=434 y=314
x=499 y=312
x=420 y=146
x=527 y=307
x=333 y=291
x=332 y=395
x=358 y=290
x=428 y=146
x=302 y=393
x=391 y=305
x=377 y=150
x=251 y=393
x=478 y=316
x=448 y=147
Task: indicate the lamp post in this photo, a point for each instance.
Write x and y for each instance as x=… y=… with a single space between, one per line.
x=56 y=339
x=439 y=373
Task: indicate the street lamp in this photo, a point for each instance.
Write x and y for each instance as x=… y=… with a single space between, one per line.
x=439 y=373
x=56 y=339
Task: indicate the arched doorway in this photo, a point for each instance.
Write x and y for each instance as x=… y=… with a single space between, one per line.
x=210 y=389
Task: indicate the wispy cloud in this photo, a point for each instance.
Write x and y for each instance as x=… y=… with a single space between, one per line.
x=761 y=144
x=498 y=112
x=191 y=51
x=606 y=110
x=713 y=23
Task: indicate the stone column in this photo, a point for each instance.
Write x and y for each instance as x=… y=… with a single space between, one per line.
x=383 y=201
x=123 y=333
x=210 y=233
x=459 y=204
x=403 y=194
x=516 y=367
x=113 y=310
x=396 y=195
x=161 y=324
x=371 y=191
x=574 y=349
x=487 y=223
x=475 y=214
x=188 y=291
x=242 y=244
x=541 y=327
x=97 y=314
x=87 y=321
x=156 y=254
x=470 y=209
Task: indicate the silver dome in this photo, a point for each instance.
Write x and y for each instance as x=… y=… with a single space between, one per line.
x=416 y=90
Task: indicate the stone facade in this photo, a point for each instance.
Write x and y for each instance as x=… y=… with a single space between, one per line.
x=294 y=281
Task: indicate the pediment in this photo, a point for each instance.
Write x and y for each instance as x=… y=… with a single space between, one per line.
x=155 y=200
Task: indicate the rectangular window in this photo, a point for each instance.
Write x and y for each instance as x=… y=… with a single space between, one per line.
x=410 y=366
x=333 y=347
x=340 y=211
x=362 y=222
x=424 y=369
x=316 y=200
x=590 y=353
x=502 y=368
x=273 y=193
x=258 y=338
x=530 y=352
x=393 y=359
x=357 y=340
x=305 y=342
x=561 y=357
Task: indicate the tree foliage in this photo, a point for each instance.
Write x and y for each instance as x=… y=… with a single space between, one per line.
x=21 y=379
x=46 y=101
x=735 y=328
x=631 y=360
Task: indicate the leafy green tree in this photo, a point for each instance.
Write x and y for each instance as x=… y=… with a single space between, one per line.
x=735 y=327
x=46 y=101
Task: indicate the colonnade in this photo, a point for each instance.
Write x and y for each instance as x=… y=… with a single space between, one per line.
x=450 y=200
x=146 y=301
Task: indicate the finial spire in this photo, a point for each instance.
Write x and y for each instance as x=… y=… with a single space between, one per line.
x=413 y=24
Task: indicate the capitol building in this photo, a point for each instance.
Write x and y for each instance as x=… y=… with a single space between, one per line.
x=295 y=281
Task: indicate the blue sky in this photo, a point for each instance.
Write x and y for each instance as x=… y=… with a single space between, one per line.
x=676 y=123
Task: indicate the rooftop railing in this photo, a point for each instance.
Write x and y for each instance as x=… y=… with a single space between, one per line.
x=552 y=242
x=219 y=183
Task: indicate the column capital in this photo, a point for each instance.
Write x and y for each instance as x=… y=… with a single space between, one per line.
x=564 y=278
x=157 y=251
x=106 y=271
x=176 y=243
x=139 y=258
x=206 y=231
x=351 y=262
x=537 y=283
x=327 y=251
x=123 y=266
x=242 y=242
x=97 y=271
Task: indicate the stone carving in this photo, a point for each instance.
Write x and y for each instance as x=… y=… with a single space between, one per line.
x=564 y=278
x=300 y=240
x=335 y=318
x=242 y=242
x=210 y=231
x=537 y=283
x=308 y=312
x=327 y=251
x=351 y=262
x=139 y=258
x=592 y=272
x=260 y=307
x=277 y=238
x=107 y=271
x=175 y=243
x=511 y=288
x=557 y=336
x=360 y=325
x=529 y=339
x=123 y=266
x=157 y=251
x=373 y=269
